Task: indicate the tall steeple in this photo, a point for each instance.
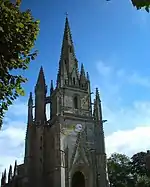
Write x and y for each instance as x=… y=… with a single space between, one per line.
x=40 y=98
x=68 y=64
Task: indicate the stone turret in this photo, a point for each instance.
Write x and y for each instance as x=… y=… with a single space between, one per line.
x=40 y=98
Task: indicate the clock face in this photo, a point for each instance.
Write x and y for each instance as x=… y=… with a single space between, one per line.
x=78 y=128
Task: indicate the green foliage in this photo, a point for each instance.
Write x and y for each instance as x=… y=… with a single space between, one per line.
x=18 y=33
x=119 y=170
x=141 y=4
x=126 y=172
x=138 y=162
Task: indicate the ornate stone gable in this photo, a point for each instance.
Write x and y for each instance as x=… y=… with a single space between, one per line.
x=80 y=152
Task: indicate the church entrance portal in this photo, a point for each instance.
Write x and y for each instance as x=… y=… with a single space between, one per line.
x=78 y=180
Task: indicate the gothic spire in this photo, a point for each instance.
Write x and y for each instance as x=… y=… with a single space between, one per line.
x=15 y=168
x=41 y=80
x=4 y=176
x=87 y=76
x=82 y=70
x=52 y=87
x=67 y=38
x=40 y=98
x=10 y=173
x=99 y=132
x=97 y=107
x=82 y=75
x=30 y=109
x=68 y=61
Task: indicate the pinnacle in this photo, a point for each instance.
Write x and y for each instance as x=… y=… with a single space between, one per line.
x=97 y=95
x=52 y=87
x=41 y=78
x=87 y=76
x=30 y=101
x=82 y=70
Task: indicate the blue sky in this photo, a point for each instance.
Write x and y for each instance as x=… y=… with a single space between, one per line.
x=112 y=40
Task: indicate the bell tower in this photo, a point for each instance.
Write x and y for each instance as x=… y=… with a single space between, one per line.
x=78 y=134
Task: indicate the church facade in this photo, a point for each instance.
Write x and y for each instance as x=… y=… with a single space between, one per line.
x=68 y=150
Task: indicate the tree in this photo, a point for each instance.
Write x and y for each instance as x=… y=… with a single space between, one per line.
x=141 y=4
x=138 y=162
x=119 y=171
x=126 y=172
x=18 y=33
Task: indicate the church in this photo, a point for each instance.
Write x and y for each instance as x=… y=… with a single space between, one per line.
x=67 y=150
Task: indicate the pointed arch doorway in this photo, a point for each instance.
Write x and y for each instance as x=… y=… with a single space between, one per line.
x=78 y=180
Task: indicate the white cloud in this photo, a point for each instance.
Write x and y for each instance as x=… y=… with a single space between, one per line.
x=135 y=78
x=104 y=69
x=129 y=141
x=115 y=77
x=12 y=144
x=127 y=129
x=18 y=109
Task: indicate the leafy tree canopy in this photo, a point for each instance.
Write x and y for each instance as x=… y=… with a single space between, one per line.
x=119 y=170
x=18 y=33
x=128 y=172
x=141 y=4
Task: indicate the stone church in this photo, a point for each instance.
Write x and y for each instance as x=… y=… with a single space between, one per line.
x=67 y=150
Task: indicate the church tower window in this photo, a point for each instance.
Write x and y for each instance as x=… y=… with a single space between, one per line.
x=75 y=101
